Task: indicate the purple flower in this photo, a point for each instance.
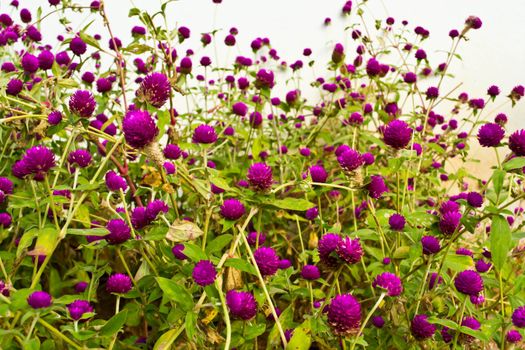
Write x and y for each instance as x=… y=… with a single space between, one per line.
x=77 y=46
x=204 y=134
x=138 y=218
x=397 y=134
x=204 y=273
x=513 y=336
x=490 y=135
x=46 y=59
x=260 y=176
x=241 y=304
x=475 y=199
x=318 y=173
x=469 y=282
x=154 y=208
x=264 y=79
x=430 y=245
x=390 y=282
x=256 y=237
x=103 y=85
x=78 y=308
x=80 y=157
x=154 y=89
x=14 y=87
x=517 y=142
x=421 y=328
x=38 y=160
x=344 y=314
x=177 y=251
x=311 y=213
x=240 y=109
x=376 y=187
x=172 y=151
x=482 y=266
x=473 y=22
x=82 y=103
x=6 y=186
x=119 y=231
x=350 y=160
x=284 y=264
x=267 y=260
x=349 y=250
x=447 y=334
x=397 y=222
x=518 y=317
x=139 y=128
x=81 y=286
x=29 y=63
x=448 y=206
x=432 y=93
x=326 y=246
x=449 y=222
x=54 y=118
x=232 y=209
x=378 y=321
x=115 y=182
x=310 y=272
x=39 y=299
x=119 y=283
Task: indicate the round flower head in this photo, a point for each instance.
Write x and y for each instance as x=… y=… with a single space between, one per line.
x=326 y=246
x=39 y=299
x=312 y=213
x=29 y=63
x=115 y=182
x=256 y=237
x=513 y=336
x=264 y=79
x=260 y=176
x=82 y=103
x=475 y=199
x=6 y=185
x=77 y=46
x=80 y=157
x=241 y=304
x=420 y=327
x=397 y=134
x=473 y=22
x=172 y=151
x=240 y=109
x=232 y=209
x=5 y=220
x=344 y=314
x=139 y=128
x=119 y=283
x=177 y=251
x=204 y=273
x=518 y=317
x=38 y=160
x=318 y=173
x=517 y=142
x=81 y=286
x=490 y=135
x=204 y=134
x=54 y=118
x=376 y=187
x=154 y=89
x=397 y=222
x=378 y=321
x=430 y=245
x=154 y=208
x=14 y=87
x=78 y=308
x=350 y=160
x=267 y=260
x=349 y=250
x=469 y=282
x=310 y=272
x=390 y=282
x=449 y=222
x=448 y=206
x=119 y=231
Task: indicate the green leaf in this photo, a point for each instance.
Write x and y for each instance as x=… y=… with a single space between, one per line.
x=176 y=293
x=100 y=231
x=88 y=39
x=476 y=334
x=194 y=252
x=292 y=204
x=26 y=241
x=447 y=323
x=254 y=331
x=114 y=324
x=164 y=342
x=46 y=241
x=497 y=179
x=191 y=325
x=500 y=241
x=82 y=215
x=514 y=163
x=241 y=264
x=301 y=339
x=458 y=263
x=218 y=243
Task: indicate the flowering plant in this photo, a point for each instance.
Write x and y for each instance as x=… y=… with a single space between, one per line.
x=152 y=199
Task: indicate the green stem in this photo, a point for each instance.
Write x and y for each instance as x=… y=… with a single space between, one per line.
x=226 y=314
x=59 y=334
x=370 y=313
x=456 y=336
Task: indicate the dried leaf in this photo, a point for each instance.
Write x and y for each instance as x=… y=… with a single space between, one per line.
x=182 y=231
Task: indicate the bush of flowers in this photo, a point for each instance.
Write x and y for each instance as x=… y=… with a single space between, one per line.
x=150 y=198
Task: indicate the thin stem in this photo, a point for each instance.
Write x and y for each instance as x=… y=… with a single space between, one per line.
x=59 y=334
x=226 y=314
x=370 y=313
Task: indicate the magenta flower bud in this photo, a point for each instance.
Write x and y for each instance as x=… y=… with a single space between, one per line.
x=54 y=118
x=138 y=218
x=422 y=329
x=376 y=187
x=46 y=59
x=154 y=208
x=473 y=22
x=78 y=308
x=469 y=282
x=172 y=151
x=390 y=282
x=397 y=134
x=77 y=46
x=518 y=317
x=344 y=314
x=204 y=134
x=232 y=209
x=103 y=85
x=119 y=231
x=310 y=272
x=350 y=159
x=5 y=220
x=517 y=143
x=154 y=89
x=240 y=109
x=378 y=322
x=350 y=250
x=241 y=304
x=267 y=260
x=81 y=286
x=29 y=63
x=39 y=300
x=185 y=65
x=177 y=251
x=81 y=157
x=254 y=237
x=260 y=176
x=449 y=222
x=397 y=222
x=119 y=283
x=82 y=103
x=138 y=31
x=430 y=245
x=482 y=266
x=38 y=160
x=513 y=336
x=318 y=173
x=204 y=273
x=312 y=213
x=14 y=87
x=284 y=264
x=115 y=182
x=139 y=128
x=114 y=43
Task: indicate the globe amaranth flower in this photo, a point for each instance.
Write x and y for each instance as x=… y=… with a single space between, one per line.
x=80 y=157
x=264 y=79
x=115 y=182
x=154 y=208
x=397 y=134
x=14 y=87
x=81 y=286
x=326 y=246
x=29 y=63
x=177 y=251
x=376 y=187
x=82 y=103
x=204 y=273
x=449 y=222
x=119 y=231
x=344 y=314
x=513 y=336
x=54 y=118
x=473 y=22
x=232 y=209
x=256 y=238
x=397 y=222
x=350 y=159
x=204 y=134
x=475 y=199
x=104 y=85
x=350 y=250
x=267 y=260
x=78 y=308
x=310 y=272
x=420 y=327
x=170 y=168
x=312 y=213
x=518 y=317
x=78 y=46
x=241 y=304
x=318 y=173
x=490 y=135
x=240 y=109
x=390 y=282
x=472 y=323
x=139 y=128
x=38 y=160
x=260 y=176
x=39 y=299
x=430 y=245
x=139 y=219
x=119 y=283
x=468 y=282
x=517 y=142
x=46 y=59
x=6 y=185
x=154 y=89
x=378 y=321
x=433 y=280
x=284 y=264
x=172 y=151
